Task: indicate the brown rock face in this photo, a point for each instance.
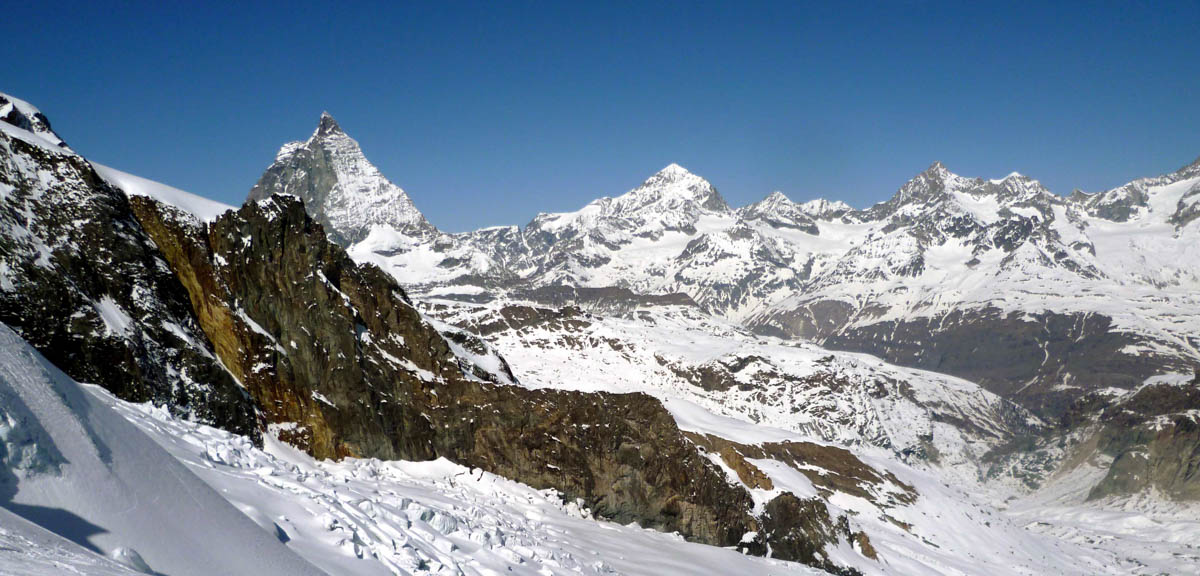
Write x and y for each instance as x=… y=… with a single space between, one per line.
x=337 y=357
x=82 y=282
x=829 y=468
x=1153 y=437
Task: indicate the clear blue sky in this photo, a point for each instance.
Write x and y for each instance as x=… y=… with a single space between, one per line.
x=488 y=114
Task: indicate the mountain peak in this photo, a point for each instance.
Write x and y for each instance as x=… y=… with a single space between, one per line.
x=672 y=187
x=937 y=169
x=340 y=188
x=327 y=125
x=673 y=169
x=777 y=196
x=822 y=209
x=25 y=116
x=777 y=211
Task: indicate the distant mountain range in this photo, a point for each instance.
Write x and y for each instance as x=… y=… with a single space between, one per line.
x=1037 y=296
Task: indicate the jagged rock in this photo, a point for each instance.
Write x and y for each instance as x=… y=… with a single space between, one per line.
x=81 y=281
x=337 y=356
x=1153 y=437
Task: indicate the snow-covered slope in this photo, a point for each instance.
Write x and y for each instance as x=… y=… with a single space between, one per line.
x=71 y=464
x=199 y=206
x=367 y=517
x=372 y=517
x=27 y=549
x=680 y=355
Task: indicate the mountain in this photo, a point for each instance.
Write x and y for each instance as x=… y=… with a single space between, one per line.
x=1103 y=283
x=1040 y=299
x=333 y=358
x=344 y=192
x=70 y=463
x=936 y=272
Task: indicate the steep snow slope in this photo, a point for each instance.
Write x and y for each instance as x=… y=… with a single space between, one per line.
x=27 y=549
x=77 y=468
x=367 y=517
x=199 y=206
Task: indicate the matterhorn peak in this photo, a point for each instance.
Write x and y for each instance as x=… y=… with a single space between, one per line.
x=340 y=188
x=327 y=125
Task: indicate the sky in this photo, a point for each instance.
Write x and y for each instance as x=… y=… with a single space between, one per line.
x=488 y=113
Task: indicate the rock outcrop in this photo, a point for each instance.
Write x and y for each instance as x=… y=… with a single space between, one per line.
x=82 y=282
x=343 y=365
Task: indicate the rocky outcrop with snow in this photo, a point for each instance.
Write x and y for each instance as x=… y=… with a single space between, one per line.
x=342 y=190
x=82 y=282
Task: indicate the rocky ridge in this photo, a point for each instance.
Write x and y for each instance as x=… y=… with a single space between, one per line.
x=82 y=282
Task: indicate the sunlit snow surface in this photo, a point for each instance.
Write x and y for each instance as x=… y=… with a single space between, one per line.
x=201 y=207
x=373 y=517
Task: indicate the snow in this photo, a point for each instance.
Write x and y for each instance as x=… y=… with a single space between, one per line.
x=373 y=517
x=116 y=321
x=40 y=133
x=27 y=549
x=86 y=473
x=369 y=517
x=45 y=141
x=198 y=206
x=777 y=386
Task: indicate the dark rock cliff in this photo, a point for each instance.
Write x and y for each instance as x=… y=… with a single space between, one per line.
x=81 y=282
x=343 y=365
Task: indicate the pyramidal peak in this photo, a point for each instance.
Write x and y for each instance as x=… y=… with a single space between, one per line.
x=673 y=187
x=340 y=188
x=937 y=170
x=773 y=202
x=673 y=169
x=777 y=197
x=327 y=125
